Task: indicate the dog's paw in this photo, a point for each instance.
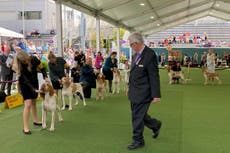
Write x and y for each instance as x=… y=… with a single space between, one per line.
x=43 y=126
x=70 y=109
x=63 y=108
x=76 y=103
x=84 y=104
x=60 y=119
x=51 y=129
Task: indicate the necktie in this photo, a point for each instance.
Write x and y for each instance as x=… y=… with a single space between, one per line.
x=137 y=57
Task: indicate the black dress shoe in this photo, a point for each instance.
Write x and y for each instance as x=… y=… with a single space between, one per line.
x=136 y=145
x=157 y=132
x=37 y=124
x=27 y=132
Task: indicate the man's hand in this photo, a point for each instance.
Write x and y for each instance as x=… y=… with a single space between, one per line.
x=156 y=100
x=37 y=91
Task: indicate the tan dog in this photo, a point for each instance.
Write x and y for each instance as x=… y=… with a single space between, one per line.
x=49 y=104
x=116 y=80
x=126 y=79
x=69 y=89
x=210 y=77
x=101 y=86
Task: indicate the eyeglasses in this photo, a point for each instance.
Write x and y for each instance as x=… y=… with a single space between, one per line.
x=131 y=45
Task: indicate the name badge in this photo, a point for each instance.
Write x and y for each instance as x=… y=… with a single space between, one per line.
x=140 y=65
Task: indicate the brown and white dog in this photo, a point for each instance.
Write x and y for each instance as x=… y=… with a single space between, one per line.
x=78 y=92
x=69 y=89
x=49 y=104
x=176 y=75
x=116 y=80
x=101 y=86
x=210 y=77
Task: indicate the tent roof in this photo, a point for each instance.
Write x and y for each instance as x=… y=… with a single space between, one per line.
x=151 y=16
x=8 y=33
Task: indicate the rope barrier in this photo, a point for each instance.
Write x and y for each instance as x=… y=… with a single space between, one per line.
x=10 y=81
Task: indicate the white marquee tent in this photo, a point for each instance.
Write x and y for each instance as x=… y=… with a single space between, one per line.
x=8 y=33
x=151 y=16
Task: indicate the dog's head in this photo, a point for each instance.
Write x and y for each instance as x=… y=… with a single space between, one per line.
x=66 y=81
x=47 y=88
x=101 y=76
x=116 y=71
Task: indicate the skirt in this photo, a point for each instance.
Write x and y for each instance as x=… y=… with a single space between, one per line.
x=108 y=74
x=28 y=94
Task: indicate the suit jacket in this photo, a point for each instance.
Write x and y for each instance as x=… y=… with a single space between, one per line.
x=144 y=82
x=4 y=69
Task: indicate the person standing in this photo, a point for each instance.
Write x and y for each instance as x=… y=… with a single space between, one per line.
x=28 y=82
x=211 y=61
x=99 y=61
x=80 y=58
x=110 y=64
x=75 y=72
x=195 y=58
x=57 y=66
x=144 y=88
x=6 y=71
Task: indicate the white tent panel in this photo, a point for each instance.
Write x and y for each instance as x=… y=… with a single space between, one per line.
x=131 y=15
x=8 y=33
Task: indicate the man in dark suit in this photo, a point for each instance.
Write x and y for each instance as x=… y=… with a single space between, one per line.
x=6 y=71
x=144 y=88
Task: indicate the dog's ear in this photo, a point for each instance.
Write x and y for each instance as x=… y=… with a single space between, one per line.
x=118 y=71
x=42 y=89
x=51 y=89
x=74 y=88
x=98 y=76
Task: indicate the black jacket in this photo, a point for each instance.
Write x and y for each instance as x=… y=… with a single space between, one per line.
x=87 y=76
x=144 y=81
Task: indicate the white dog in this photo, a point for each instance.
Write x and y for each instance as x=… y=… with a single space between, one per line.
x=69 y=89
x=49 y=103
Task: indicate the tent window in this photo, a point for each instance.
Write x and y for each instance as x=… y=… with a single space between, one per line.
x=30 y=15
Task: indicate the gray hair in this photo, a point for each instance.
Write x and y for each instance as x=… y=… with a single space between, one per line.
x=136 y=37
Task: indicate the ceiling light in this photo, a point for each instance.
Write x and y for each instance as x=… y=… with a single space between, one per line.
x=142 y=4
x=158 y=24
x=152 y=17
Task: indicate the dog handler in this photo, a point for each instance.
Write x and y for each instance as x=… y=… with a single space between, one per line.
x=144 y=88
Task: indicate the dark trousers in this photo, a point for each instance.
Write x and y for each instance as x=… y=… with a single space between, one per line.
x=140 y=118
x=87 y=90
x=7 y=77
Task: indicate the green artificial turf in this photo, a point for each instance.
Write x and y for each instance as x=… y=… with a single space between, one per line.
x=196 y=119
